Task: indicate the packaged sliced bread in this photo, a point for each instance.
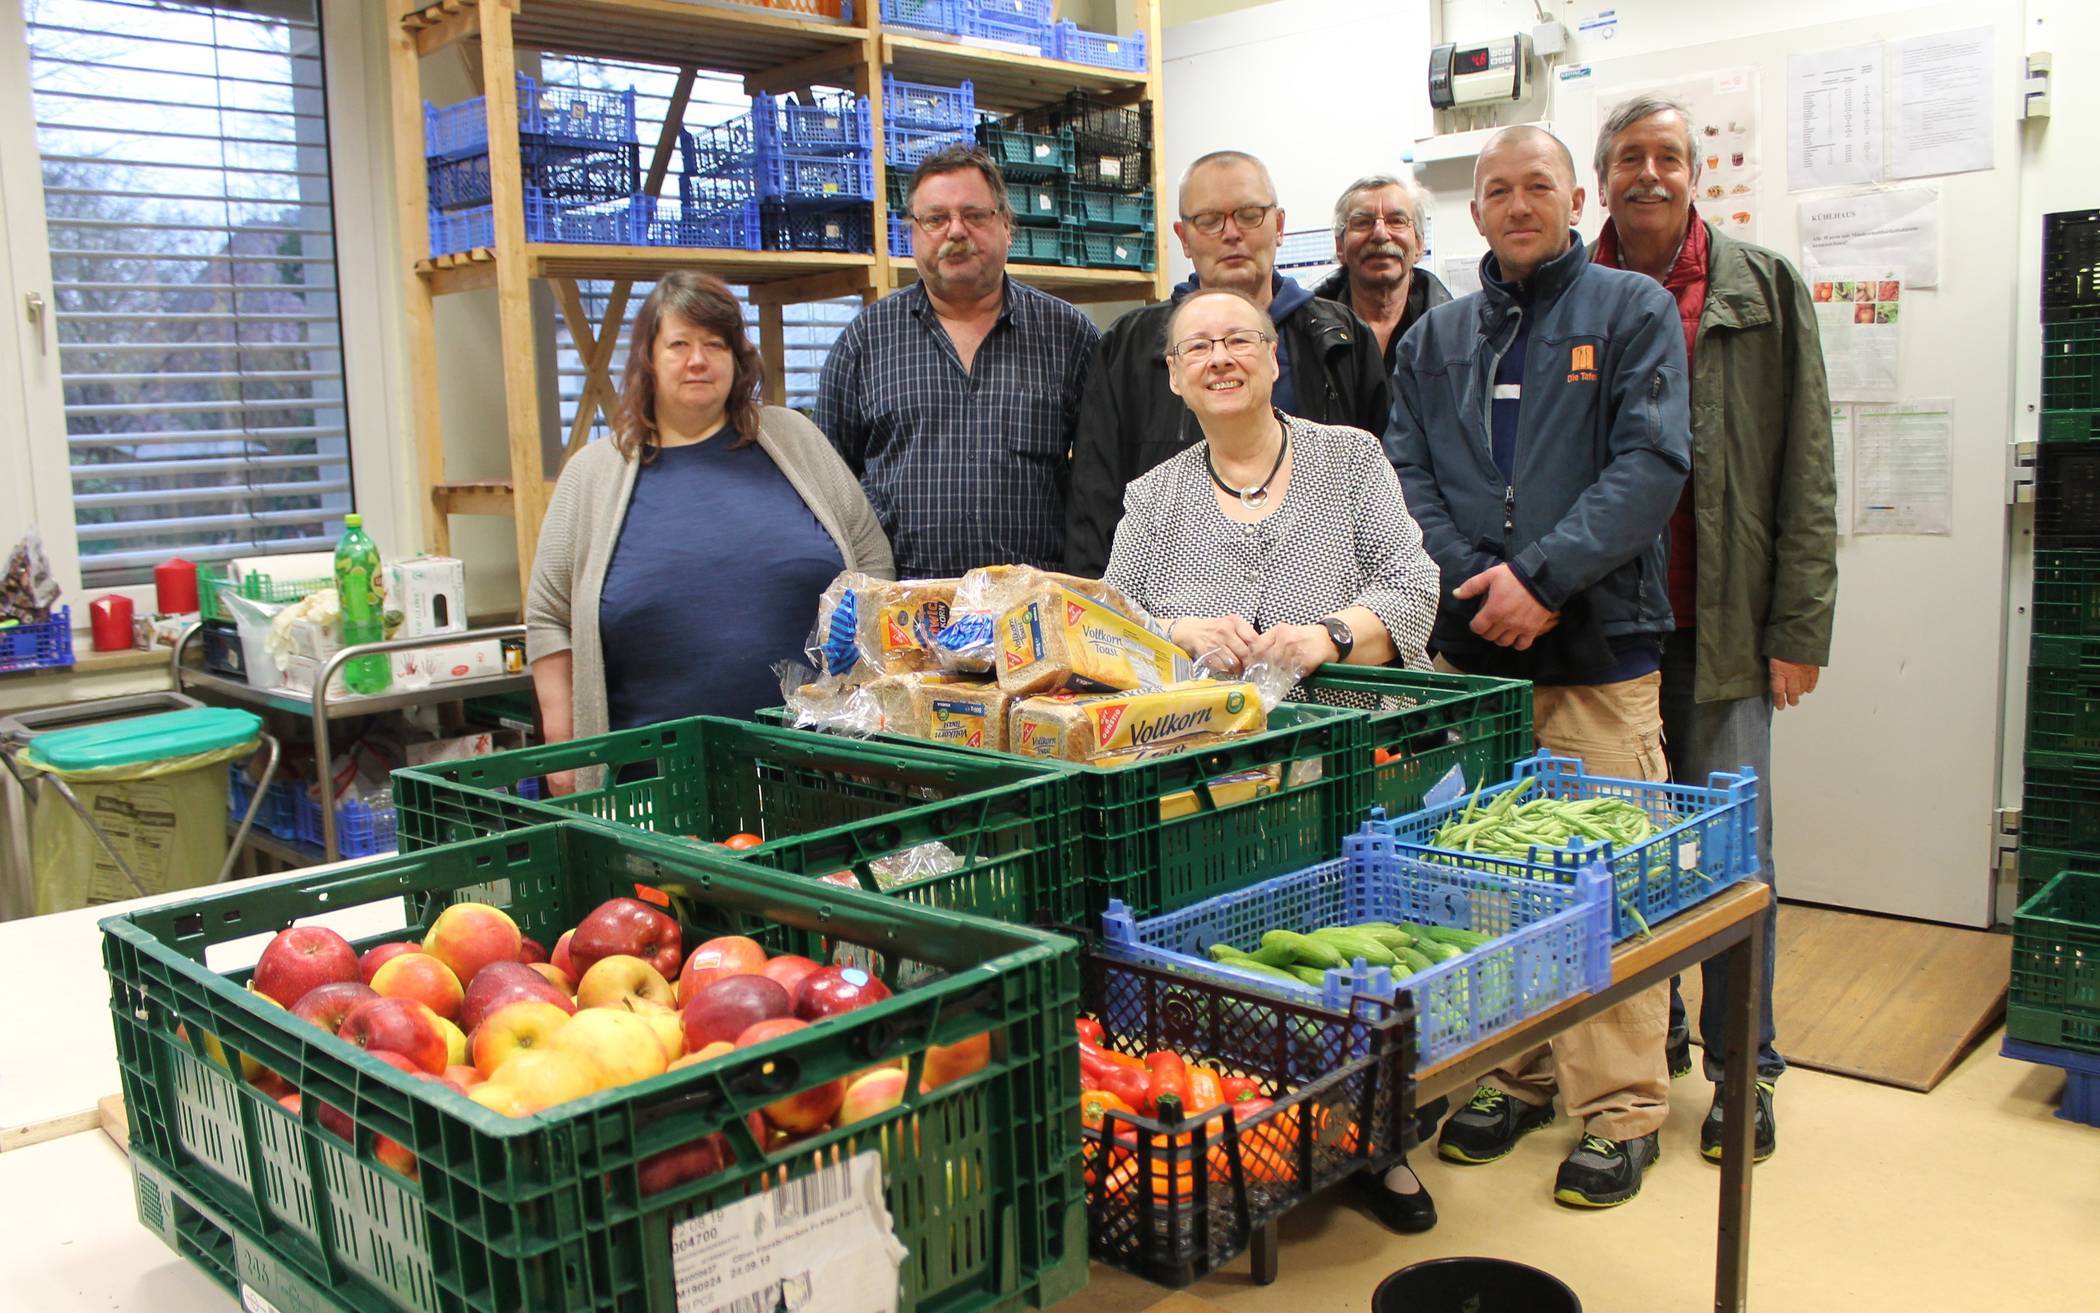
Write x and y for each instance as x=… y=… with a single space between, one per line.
x=966 y=715
x=867 y=627
x=1089 y=728
x=970 y=643
x=1054 y=638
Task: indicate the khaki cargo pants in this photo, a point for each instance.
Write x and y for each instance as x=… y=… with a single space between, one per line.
x=1611 y=1071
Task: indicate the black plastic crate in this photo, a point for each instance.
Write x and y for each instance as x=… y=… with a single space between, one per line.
x=2063 y=696
x=2071 y=364
x=2061 y=805
x=1113 y=170
x=792 y=226
x=1096 y=124
x=2067 y=496
x=604 y=172
x=1175 y=1200
x=2067 y=593
x=2070 y=260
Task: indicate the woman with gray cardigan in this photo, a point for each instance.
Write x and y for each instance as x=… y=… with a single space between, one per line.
x=683 y=556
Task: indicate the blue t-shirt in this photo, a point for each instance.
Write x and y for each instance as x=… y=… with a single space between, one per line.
x=715 y=577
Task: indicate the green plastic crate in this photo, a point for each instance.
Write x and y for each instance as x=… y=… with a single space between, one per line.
x=821 y=804
x=1425 y=722
x=2067 y=593
x=213 y=580
x=2060 y=807
x=2063 y=695
x=1036 y=201
x=2054 y=998
x=1219 y=838
x=2038 y=866
x=2071 y=364
x=1037 y=246
x=547 y=1212
x=2070 y=426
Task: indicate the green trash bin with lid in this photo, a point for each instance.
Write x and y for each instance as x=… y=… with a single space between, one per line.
x=155 y=787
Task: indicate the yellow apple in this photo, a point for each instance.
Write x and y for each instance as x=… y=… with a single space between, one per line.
x=624 y=1047
x=515 y=1028
x=455 y=1043
x=499 y=1098
x=622 y=982
x=542 y=1078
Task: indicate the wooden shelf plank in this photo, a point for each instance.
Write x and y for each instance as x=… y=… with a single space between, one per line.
x=751 y=268
x=1059 y=280
x=476 y=497
x=1004 y=81
x=728 y=38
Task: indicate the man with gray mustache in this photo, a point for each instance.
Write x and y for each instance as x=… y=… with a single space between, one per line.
x=1378 y=236
x=1753 y=542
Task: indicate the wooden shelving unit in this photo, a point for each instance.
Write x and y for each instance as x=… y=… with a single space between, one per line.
x=774 y=51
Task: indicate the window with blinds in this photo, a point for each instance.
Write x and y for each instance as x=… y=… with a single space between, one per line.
x=186 y=198
x=810 y=328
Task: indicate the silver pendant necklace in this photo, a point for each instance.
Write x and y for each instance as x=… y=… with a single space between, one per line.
x=1255 y=496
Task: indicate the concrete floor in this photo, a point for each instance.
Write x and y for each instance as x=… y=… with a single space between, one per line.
x=1973 y=1198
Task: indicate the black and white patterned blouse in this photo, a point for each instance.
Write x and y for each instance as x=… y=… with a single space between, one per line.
x=1342 y=537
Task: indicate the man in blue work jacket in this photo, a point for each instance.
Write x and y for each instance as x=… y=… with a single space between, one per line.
x=1541 y=433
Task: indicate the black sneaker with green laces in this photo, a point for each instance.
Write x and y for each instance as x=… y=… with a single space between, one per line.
x=1489 y=1126
x=1764 y=1126
x=1605 y=1173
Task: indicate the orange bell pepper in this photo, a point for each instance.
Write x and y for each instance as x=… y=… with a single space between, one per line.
x=1095 y=1105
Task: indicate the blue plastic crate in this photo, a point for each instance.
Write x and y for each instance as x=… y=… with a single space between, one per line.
x=951 y=16
x=361 y=830
x=1035 y=11
x=1552 y=941
x=624 y=222
x=1019 y=29
x=904 y=147
x=817 y=226
x=279 y=813
x=924 y=105
x=835 y=177
x=570 y=114
x=1705 y=838
x=900 y=236
x=1108 y=211
x=1075 y=45
x=834 y=125
x=733 y=228
x=453 y=231
x=554 y=169
x=728 y=149
x=2081 y=1077
x=43 y=645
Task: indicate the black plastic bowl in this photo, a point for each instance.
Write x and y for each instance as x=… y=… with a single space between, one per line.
x=1473 y=1285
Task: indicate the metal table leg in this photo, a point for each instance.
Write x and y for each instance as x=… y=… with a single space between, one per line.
x=1744 y=964
x=1263 y=1254
x=262 y=788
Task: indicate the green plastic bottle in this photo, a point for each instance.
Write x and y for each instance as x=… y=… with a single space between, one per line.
x=360 y=588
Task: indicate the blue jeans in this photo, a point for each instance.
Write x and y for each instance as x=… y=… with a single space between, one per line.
x=1703 y=737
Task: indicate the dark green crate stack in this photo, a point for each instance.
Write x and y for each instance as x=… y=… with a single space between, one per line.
x=2060 y=814
x=2054 y=997
x=1079 y=176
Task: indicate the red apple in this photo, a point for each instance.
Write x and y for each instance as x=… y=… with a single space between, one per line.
x=336 y=1120
x=728 y=955
x=506 y=982
x=738 y=842
x=871 y=1093
x=788 y=971
x=531 y=950
x=758 y=1032
x=688 y=1162
x=829 y=991
x=629 y=926
x=376 y=958
x=291 y=1102
x=952 y=1062
x=469 y=936
x=397 y=1025
x=328 y=1006
x=465 y=1078
x=560 y=955
x=302 y=958
x=423 y=978
x=729 y=1007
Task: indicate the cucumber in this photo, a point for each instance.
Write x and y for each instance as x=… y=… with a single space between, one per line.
x=1390 y=936
x=1313 y=976
x=1248 y=964
x=1465 y=939
x=1306 y=950
x=1416 y=959
x=1273 y=957
x=1224 y=953
x=1353 y=946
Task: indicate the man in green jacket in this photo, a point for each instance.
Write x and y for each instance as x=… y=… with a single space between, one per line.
x=1753 y=543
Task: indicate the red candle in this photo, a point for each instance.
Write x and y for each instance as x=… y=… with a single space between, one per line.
x=110 y=617
x=175 y=586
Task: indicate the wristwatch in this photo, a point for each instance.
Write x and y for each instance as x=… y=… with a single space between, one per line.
x=1344 y=637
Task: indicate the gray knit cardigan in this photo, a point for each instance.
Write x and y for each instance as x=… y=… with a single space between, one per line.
x=583 y=522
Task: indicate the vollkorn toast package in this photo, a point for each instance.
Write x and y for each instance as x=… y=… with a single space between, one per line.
x=1056 y=638
x=964 y=715
x=1107 y=725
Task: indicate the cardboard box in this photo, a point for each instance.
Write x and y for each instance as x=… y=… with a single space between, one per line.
x=478 y=744
x=430 y=592
x=475 y=659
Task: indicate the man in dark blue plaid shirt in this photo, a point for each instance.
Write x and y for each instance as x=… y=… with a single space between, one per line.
x=954 y=399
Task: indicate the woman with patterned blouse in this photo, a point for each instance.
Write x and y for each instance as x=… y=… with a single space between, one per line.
x=1275 y=540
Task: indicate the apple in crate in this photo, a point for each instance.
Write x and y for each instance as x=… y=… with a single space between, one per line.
x=729 y=1007
x=706 y=1054
x=629 y=926
x=788 y=970
x=531 y=950
x=621 y=1045
x=559 y=957
x=499 y=1098
x=469 y=936
x=515 y=1028
x=804 y=1110
x=455 y=1043
x=397 y=1025
x=829 y=991
x=718 y=959
x=946 y=1063
x=622 y=981
x=302 y=958
x=465 y=1077
x=423 y=978
x=870 y=1093
x=328 y=1006
x=554 y=976
x=545 y=1077
x=375 y=958
x=688 y=1162
x=500 y=983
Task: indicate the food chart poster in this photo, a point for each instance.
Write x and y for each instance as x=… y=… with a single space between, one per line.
x=1725 y=137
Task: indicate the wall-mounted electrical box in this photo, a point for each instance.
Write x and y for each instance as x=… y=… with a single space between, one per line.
x=1476 y=73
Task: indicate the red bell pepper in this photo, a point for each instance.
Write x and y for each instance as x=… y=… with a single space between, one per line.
x=1238 y=1089
x=1169 y=1076
x=1090 y=1030
x=1130 y=1084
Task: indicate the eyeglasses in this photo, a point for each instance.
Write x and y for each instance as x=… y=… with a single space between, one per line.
x=1240 y=343
x=1361 y=221
x=1212 y=222
x=935 y=222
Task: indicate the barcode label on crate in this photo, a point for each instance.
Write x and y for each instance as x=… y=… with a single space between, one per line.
x=1688 y=855
x=821 y=1244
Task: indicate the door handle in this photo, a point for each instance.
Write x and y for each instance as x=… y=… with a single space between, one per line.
x=33 y=305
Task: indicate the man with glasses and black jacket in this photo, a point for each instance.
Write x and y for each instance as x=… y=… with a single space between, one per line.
x=1129 y=418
